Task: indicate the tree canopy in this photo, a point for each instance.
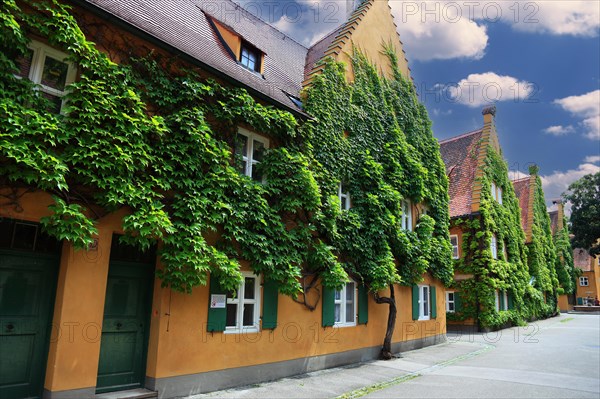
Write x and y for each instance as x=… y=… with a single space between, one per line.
x=584 y=194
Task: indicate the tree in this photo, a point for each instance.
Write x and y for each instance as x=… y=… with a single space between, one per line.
x=584 y=194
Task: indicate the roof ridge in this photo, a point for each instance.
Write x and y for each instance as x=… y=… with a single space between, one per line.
x=521 y=179
x=460 y=136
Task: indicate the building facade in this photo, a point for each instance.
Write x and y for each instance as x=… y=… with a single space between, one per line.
x=82 y=311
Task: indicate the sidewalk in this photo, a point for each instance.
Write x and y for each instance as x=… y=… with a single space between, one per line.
x=358 y=379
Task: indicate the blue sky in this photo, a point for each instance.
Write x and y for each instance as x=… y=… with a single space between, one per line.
x=538 y=61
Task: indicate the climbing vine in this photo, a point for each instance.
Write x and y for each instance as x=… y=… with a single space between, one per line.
x=565 y=268
x=152 y=135
x=508 y=272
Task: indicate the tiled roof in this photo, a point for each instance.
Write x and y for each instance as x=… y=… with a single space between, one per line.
x=582 y=259
x=183 y=25
x=522 y=191
x=460 y=156
x=553 y=221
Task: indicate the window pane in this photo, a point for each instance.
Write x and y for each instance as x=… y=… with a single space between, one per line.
x=54 y=73
x=349 y=302
x=24 y=64
x=25 y=235
x=338 y=311
x=249 y=288
x=425 y=301
x=451 y=306
x=231 y=315
x=451 y=296
x=258 y=151
x=241 y=145
x=338 y=295
x=248 y=314
x=344 y=202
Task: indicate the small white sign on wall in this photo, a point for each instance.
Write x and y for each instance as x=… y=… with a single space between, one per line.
x=217 y=301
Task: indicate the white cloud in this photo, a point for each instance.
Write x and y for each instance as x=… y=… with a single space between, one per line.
x=592 y=159
x=557 y=183
x=430 y=36
x=586 y=107
x=576 y=18
x=559 y=130
x=484 y=88
x=444 y=29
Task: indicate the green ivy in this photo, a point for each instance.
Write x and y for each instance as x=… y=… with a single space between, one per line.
x=565 y=268
x=153 y=136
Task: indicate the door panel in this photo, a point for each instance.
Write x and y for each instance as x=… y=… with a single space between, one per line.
x=27 y=284
x=122 y=362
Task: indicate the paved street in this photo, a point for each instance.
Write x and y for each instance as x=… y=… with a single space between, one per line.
x=556 y=358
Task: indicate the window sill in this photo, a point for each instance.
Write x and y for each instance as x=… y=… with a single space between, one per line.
x=245 y=330
x=345 y=324
x=425 y=318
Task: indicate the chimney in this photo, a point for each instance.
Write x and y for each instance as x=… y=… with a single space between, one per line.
x=488 y=114
x=561 y=213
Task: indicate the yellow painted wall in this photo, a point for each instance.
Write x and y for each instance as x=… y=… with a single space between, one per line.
x=186 y=347
x=377 y=27
x=563 y=303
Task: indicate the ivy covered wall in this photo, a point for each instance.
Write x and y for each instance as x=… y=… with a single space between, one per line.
x=506 y=273
x=153 y=136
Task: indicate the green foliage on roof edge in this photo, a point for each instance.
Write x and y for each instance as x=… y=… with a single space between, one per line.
x=159 y=143
x=529 y=272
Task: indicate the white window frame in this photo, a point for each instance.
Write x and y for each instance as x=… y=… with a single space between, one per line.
x=247 y=157
x=424 y=298
x=239 y=300
x=342 y=302
x=251 y=52
x=38 y=59
x=455 y=247
x=494 y=246
x=505 y=295
x=407 y=215
x=499 y=195
x=493 y=190
x=450 y=302
x=497 y=300
x=344 y=195
x=583 y=281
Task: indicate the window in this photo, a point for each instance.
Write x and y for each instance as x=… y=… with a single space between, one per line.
x=583 y=281
x=505 y=301
x=406 y=215
x=250 y=57
x=424 y=304
x=450 y=302
x=344 y=196
x=47 y=67
x=496 y=193
x=250 y=149
x=345 y=305
x=243 y=310
x=497 y=300
x=494 y=246
x=455 y=250
x=505 y=250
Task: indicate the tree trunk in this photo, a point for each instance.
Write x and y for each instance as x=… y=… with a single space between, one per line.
x=386 y=349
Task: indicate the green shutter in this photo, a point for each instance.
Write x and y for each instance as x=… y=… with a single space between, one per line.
x=363 y=304
x=415 y=302
x=217 y=317
x=580 y=301
x=433 y=301
x=501 y=295
x=328 y=307
x=269 y=309
x=511 y=304
x=457 y=302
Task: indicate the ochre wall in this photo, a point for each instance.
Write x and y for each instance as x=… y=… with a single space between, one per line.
x=563 y=303
x=186 y=347
x=377 y=19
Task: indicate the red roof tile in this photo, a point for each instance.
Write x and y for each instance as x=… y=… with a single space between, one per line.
x=460 y=156
x=522 y=190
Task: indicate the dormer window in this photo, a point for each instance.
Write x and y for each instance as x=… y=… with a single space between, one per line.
x=250 y=57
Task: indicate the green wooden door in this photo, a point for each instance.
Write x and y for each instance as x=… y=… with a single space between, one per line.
x=125 y=327
x=28 y=270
